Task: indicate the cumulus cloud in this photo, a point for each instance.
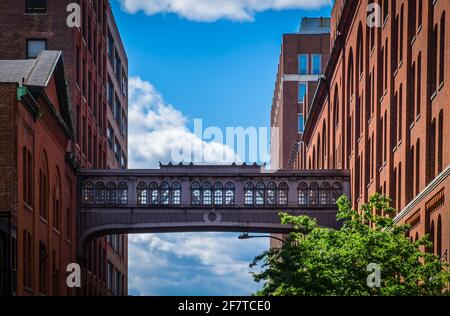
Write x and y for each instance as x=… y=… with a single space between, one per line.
x=158 y=132
x=192 y=264
x=213 y=10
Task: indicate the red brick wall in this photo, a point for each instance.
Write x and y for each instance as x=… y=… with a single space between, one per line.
x=395 y=166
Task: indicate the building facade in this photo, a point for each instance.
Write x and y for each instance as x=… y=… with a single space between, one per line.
x=303 y=58
x=96 y=69
x=380 y=110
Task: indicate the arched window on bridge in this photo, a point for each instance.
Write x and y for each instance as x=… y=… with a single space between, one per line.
x=283 y=191
x=88 y=193
x=196 y=193
x=260 y=193
x=248 y=193
x=111 y=193
x=314 y=194
x=218 y=194
x=336 y=193
x=325 y=193
x=99 y=193
x=207 y=193
x=176 y=193
x=153 y=193
x=142 y=193
x=302 y=194
x=271 y=194
x=229 y=193
x=165 y=193
x=122 y=190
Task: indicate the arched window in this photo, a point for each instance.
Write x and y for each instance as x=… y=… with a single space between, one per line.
x=142 y=193
x=314 y=194
x=283 y=191
x=218 y=194
x=248 y=194
x=325 y=193
x=440 y=144
x=153 y=193
x=442 y=50
x=336 y=107
x=99 y=193
x=196 y=193
x=111 y=193
x=176 y=193
x=165 y=193
x=207 y=193
x=337 y=192
x=122 y=190
x=350 y=76
x=302 y=194
x=229 y=193
x=431 y=249
x=271 y=194
x=88 y=193
x=360 y=51
x=260 y=193
x=439 y=237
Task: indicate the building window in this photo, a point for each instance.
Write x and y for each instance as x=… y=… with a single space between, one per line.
x=260 y=193
x=301 y=123
x=165 y=193
x=271 y=194
x=43 y=256
x=99 y=193
x=122 y=189
x=218 y=194
x=229 y=194
x=283 y=191
x=153 y=193
x=176 y=194
x=35 y=47
x=303 y=194
x=248 y=193
x=325 y=193
x=207 y=194
x=303 y=64
x=195 y=193
x=314 y=194
x=142 y=193
x=110 y=135
x=88 y=193
x=36 y=6
x=442 y=50
x=27 y=259
x=111 y=193
x=302 y=92
x=336 y=192
x=316 y=64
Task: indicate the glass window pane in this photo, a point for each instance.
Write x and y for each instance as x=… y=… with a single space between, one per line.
x=301 y=123
x=303 y=64
x=316 y=64
x=35 y=47
x=301 y=92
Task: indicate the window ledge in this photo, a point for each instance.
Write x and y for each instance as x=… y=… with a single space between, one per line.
x=441 y=85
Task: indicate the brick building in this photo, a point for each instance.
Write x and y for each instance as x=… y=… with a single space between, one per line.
x=380 y=108
x=96 y=69
x=303 y=58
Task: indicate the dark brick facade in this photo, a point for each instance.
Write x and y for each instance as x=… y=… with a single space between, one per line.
x=88 y=70
x=382 y=108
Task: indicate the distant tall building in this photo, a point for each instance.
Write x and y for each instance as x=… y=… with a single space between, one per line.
x=303 y=58
x=381 y=109
x=96 y=68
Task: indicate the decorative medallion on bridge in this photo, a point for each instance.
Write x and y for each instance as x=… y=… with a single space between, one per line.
x=212 y=218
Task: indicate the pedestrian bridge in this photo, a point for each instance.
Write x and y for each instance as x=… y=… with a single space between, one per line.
x=190 y=198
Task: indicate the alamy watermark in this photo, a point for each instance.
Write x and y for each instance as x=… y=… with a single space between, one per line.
x=374 y=278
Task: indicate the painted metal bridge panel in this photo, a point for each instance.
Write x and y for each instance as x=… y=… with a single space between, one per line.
x=203 y=198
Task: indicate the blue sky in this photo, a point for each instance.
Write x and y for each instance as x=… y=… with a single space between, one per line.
x=209 y=59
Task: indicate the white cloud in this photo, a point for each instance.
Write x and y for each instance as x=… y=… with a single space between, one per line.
x=213 y=10
x=157 y=129
x=192 y=264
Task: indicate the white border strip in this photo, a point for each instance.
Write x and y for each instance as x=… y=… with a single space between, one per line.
x=422 y=195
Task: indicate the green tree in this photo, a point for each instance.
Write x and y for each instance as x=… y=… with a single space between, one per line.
x=321 y=261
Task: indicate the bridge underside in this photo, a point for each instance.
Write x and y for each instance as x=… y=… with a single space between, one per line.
x=99 y=222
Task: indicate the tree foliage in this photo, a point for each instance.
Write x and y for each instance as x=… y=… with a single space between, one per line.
x=321 y=261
